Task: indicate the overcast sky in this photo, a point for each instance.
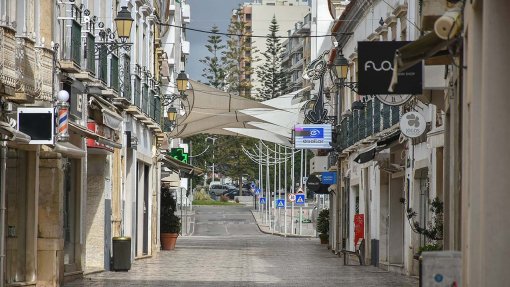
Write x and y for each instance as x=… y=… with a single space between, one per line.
x=204 y=15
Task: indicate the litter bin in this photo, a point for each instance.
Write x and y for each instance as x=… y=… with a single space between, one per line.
x=121 y=253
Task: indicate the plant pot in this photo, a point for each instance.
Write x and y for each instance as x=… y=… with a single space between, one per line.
x=168 y=240
x=324 y=238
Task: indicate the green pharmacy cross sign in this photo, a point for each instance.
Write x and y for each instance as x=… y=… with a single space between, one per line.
x=179 y=154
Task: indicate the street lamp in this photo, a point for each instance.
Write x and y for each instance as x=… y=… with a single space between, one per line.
x=182 y=83
x=123 y=25
x=341 y=66
x=171 y=114
x=123 y=22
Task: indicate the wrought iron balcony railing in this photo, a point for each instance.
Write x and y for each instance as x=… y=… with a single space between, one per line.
x=362 y=124
x=145 y=99
x=88 y=55
x=157 y=109
x=114 y=73
x=126 y=79
x=103 y=65
x=137 y=91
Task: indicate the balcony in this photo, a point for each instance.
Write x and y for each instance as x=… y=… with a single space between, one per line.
x=156 y=102
x=125 y=70
x=25 y=70
x=145 y=98
x=70 y=60
x=114 y=73
x=137 y=91
x=363 y=126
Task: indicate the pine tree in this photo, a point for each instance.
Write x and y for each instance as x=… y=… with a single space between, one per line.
x=238 y=57
x=214 y=70
x=273 y=78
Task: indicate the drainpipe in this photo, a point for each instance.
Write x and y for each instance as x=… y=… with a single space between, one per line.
x=3 y=195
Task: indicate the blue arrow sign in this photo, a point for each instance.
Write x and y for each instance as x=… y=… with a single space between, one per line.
x=300 y=199
x=280 y=203
x=262 y=200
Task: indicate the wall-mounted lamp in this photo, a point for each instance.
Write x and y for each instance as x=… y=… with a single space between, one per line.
x=171 y=114
x=123 y=24
x=341 y=65
x=182 y=83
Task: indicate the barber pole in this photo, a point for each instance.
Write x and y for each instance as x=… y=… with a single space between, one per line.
x=63 y=115
x=63 y=119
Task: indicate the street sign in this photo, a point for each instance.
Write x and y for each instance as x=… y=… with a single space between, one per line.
x=305 y=178
x=257 y=191
x=300 y=199
x=300 y=190
x=292 y=197
x=328 y=177
x=280 y=203
x=252 y=185
x=262 y=200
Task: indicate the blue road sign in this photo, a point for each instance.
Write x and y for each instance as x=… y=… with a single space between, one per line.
x=300 y=199
x=262 y=200
x=257 y=191
x=252 y=185
x=280 y=203
x=328 y=177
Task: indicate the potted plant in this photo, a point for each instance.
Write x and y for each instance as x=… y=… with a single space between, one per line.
x=323 y=226
x=170 y=224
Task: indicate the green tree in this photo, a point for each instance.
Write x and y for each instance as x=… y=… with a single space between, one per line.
x=238 y=56
x=273 y=78
x=229 y=159
x=214 y=70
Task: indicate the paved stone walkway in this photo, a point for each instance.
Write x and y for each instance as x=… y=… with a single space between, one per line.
x=240 y=259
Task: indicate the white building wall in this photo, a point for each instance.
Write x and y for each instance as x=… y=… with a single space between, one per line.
x=321 y=25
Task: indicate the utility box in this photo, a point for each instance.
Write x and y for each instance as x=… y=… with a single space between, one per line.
x=441 y=269
x=121 y=260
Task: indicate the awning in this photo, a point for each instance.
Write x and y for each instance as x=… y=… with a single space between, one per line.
x=78 y=129
x=287 y=101
x=13 y=134
x=178 y=165
x=262 y=134
x=429 y=45
x=173 y=177
x=173 y=180
x=389 y=139
x=82 y=131
x=204 y=101
x=105 y=141
x=69 y=150
x=230 y=120
x=366 y=156
x=110 y=118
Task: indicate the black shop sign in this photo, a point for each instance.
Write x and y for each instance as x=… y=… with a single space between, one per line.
x=375 y=70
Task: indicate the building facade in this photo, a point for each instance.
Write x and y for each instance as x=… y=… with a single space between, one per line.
x=99 y=178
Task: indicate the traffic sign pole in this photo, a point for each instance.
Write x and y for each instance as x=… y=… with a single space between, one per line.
x=292 y=219
x=285 y=186
x=300 y=220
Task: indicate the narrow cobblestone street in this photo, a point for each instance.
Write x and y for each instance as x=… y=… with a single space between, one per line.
x=227 y=249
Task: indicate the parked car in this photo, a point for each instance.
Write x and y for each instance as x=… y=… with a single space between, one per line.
x=231 y=193
x=217 y=189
